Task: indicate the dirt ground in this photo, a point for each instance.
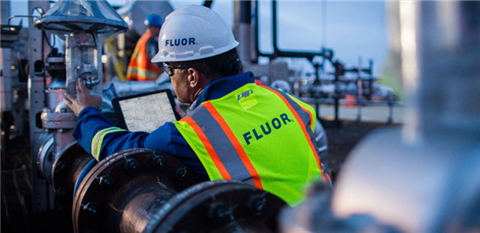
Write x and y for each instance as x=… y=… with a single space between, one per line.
x=344 y=135
x=341 y=141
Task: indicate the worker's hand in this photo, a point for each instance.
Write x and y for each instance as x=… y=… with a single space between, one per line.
x=84 y=99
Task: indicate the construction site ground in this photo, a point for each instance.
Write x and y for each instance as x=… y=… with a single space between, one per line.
x=344 y=135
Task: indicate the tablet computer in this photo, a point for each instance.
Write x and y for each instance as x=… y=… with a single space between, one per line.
x=145 y=111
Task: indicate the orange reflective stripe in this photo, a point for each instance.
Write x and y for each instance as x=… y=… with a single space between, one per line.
x=295 y=114
x=309 y=113
x=140 y=68
x=236 y=144
x=208 y=147
x=325 y=176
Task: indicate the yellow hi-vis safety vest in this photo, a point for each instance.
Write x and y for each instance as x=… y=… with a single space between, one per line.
x=258 y=135
x=140 y=68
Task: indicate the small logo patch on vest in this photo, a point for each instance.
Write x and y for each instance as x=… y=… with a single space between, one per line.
x=244 y=94
x=276 y=123
x=180 y=42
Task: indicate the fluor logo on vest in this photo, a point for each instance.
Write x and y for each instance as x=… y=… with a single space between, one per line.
x=267 y=128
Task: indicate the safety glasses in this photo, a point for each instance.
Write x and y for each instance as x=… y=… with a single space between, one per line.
x=169 y=69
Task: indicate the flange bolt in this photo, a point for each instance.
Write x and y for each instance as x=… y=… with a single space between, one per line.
x=131 y=164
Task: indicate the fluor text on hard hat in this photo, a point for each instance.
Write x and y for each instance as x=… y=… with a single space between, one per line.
x=181 y=41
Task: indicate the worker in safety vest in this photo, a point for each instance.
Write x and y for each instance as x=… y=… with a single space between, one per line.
x=235 y=129
x=140 y=67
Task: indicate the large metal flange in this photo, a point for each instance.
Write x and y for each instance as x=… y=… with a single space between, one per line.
x=45 y=158
x=122 y=192
x=66 y=171
x=219 y=206
x=58 y=120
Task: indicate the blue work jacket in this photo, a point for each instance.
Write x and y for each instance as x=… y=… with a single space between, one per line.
x=166 y=138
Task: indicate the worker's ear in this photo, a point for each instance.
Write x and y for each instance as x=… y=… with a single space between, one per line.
x=196 y=78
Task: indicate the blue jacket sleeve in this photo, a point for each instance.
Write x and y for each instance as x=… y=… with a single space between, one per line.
x=166 y=139
x=90 y=122
x=94 y=131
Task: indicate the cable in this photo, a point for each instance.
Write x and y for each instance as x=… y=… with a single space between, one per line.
x=44 y=34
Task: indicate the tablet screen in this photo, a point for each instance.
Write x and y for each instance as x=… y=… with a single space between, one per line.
x=145 y=112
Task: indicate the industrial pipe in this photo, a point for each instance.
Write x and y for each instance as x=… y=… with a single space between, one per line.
x=140 y=190
x=122 y=192
x=326 y=53
x=425 y=177
x=68 y=168
x=219 y=206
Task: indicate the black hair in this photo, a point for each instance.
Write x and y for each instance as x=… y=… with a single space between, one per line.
x=219 y=66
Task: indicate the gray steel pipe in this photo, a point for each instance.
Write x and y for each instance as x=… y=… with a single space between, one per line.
x=140 y=190
x=6 y=93
x=440 y=54
x=424 y=177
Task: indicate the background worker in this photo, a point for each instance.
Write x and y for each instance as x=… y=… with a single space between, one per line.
x=235 y=130
x=140 y=67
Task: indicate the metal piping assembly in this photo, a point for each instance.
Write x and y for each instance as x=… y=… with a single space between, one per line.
x=83 y=25
x=140 y=190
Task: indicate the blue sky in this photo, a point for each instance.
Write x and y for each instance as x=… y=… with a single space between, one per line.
x=353 y=29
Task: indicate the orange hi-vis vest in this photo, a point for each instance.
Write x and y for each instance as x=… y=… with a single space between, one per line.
x=258 y=135
x=140 y=67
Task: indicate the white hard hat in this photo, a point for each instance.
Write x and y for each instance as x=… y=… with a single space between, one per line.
x=191 y=33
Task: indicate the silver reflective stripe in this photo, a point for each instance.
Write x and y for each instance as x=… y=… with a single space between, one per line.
x=98 y=140
x=304 y=115
x=222 y=145
x=143 y=72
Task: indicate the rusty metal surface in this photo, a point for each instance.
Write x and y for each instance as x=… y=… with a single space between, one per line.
x=66 y=170
x=123 y=191
x=219 y=206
